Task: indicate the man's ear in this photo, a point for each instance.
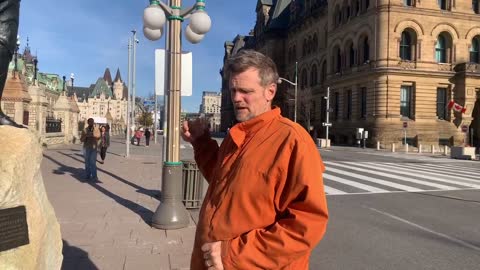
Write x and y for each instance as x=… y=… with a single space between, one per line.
x=270 y=91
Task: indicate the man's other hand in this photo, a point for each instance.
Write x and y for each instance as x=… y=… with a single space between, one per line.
x=192 y=130
x=212 y=255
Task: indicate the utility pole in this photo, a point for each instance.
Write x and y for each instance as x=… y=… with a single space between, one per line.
x=327 y=124
x=296 y=89
x=155 y=119
x=129 y=87
x=134 y=74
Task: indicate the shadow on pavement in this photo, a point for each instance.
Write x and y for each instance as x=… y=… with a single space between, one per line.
x=77 y=173
x=76 y=258
x=142 y=190
x=144 y=213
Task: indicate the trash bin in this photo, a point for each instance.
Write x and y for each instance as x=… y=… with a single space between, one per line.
x=192 y=185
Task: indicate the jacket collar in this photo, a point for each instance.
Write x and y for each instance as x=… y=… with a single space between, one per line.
x=247 y=129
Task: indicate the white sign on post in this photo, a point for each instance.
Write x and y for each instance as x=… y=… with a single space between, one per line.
x=161 y=73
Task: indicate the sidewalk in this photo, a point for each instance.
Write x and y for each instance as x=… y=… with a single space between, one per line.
x=106 y=224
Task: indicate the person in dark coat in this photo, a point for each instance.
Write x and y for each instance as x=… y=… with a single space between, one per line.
x=147 y=137
x=104 y=143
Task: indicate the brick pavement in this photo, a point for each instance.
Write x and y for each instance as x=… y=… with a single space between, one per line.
x=106 y=224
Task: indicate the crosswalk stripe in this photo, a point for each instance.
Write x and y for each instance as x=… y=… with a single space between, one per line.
x=453 y=167
x=460 y=175
x=384 y=167
x=374 y=180
x=353 y=183
x=389 y=175
x=332 y=191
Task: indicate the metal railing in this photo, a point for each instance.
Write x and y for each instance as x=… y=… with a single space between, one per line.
x=53 y=125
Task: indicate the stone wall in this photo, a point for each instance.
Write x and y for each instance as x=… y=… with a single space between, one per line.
x=22 y=184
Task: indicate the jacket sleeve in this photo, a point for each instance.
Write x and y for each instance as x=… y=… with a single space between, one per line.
x=107 y=138
x=205 y=154
x=300 y=223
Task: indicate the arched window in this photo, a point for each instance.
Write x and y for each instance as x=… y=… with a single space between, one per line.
x=337 y=60
x=443 y=48
x=365 y=50
x=351 y=55
x=304 y=79
x=474 y=50
x=406 y=46
x=314 y=76
x=323 y=75
x=315 y=43
x=337 y=16
x=355 y=7
x=304 y=53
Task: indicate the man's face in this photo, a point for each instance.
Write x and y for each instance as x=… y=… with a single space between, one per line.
x=249 y=97
x=90 y=122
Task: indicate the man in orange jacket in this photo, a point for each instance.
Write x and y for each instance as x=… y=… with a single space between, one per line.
x=265 y=207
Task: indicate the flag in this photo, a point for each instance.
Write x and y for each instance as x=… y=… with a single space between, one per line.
x=456 y=107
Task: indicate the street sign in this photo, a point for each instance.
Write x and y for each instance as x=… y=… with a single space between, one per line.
x=405 y=124
x=327 y=124
x=148 y=102
x=464 y=128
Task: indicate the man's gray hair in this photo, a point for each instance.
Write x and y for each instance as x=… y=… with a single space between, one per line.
x=245 y=59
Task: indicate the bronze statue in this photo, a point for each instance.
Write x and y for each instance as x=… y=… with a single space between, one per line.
x=9 y=14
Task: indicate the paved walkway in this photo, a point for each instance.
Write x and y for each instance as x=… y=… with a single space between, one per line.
x=106 y=224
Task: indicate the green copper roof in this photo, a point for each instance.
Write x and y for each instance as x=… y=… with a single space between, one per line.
x=101 y=87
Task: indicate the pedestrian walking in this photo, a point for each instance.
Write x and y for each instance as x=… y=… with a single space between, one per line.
x=261 y=211
x=89 y=137
x=104 y=142
x=147 y=137
x=139 y=135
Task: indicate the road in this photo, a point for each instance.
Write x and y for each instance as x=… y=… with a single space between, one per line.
x=399 y=211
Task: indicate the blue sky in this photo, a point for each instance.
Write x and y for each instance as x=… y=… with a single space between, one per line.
x=85 y=37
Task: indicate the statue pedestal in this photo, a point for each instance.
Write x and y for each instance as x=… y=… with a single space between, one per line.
x=21 y=184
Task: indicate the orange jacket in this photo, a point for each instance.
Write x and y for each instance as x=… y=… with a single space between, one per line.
x=266 y=200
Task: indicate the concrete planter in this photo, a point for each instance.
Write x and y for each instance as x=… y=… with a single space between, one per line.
x=461 y=152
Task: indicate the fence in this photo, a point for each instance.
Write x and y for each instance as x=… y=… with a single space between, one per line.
x=53 y=125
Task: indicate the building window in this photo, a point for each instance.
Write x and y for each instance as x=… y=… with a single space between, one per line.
x=336 y=106
x=304 y=79
x=314 y=76
x=348 y=108
x=406 y=101
x=366 y=51
x=363 y=103
x=337 y=60
x=406 y=46
x=442 y=48
x=442 y=112
x=408 y=3
x=323 y=76
x=351 y=56
x=444 y=4
x=475 y=6
x=474 y=54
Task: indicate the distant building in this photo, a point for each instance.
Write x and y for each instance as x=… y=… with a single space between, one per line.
x=39 y=101
x=210 y=108
x=106 y=98
x=386 y=63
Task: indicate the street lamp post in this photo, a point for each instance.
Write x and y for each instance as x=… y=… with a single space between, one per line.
x=72 y=78
x=296 y=88
x=17 y=46
x=171 y=213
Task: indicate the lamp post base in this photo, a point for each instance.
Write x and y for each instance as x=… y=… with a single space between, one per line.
x=171 y=213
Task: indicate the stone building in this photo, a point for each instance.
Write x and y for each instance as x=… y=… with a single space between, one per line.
x=210 y=108
x=386 y=62
x=106 y=98
x=38 y=100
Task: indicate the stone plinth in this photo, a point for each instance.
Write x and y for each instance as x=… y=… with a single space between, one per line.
x=22 y=184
